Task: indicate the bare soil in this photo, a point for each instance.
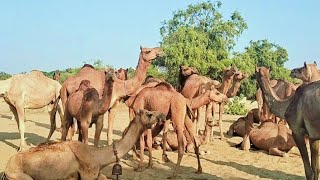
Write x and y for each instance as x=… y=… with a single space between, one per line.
x=223 y=160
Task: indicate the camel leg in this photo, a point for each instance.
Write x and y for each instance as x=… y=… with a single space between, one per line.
x=66 y=123
x=189 y=128
x=21 y=125
x=299 y=139
x=111 y=115
x=80 y=138
x=314 y=147
x=16 y=116
x=221 y=109
x=17 y=176
x=149 y=143
x=84 y=130
x=99 y=126
x=209 y=115
x=60 y=114
x=142 y=144
x=197 y=121
x=53 y=125
x=277 y=152
x=164 y=141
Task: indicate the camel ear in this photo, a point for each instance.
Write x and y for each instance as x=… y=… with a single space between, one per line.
x=314 y=62
x=257 y=68
x=140 y=47
x=127 y=70
x=305 y=64
x=269 y=69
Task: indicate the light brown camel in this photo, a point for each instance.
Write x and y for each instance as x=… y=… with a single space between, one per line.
x=75 y=160
x=29 y=91
x=238 y=127
x=301 y=112
x=164 y=98
x=308 y=73
x=121 y=74
x=85 y=106
x=275 y=138
x=283 y=89
x=121 y=88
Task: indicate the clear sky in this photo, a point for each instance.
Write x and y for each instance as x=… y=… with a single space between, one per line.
x=51 y=35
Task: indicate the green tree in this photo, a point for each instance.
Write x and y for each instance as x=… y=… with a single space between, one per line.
x=201 y=37
x=4 y=76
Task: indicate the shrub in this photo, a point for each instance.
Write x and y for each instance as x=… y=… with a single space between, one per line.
x=237 y=106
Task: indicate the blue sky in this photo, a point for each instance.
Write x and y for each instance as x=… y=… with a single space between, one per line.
x=51 y=35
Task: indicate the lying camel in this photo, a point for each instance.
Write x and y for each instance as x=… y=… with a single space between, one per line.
x=308 y=73
x=301 y=111
x=238 y=127
x=275 y=138
x=85 y=106
x=73 y=159
x=30 y=91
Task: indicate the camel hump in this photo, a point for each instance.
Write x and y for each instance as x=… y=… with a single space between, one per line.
x=91 y=94
x=165 y=85
x=36 y=72
x=87 y=65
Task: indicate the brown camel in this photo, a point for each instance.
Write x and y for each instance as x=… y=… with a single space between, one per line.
x=238 y=127
x=75 y=160
x=283 y=89
x=308 y=73
x=85 y=106
x=29 y=91
x=301 y=111
x=121 y=88
x=164 y=98
x=121 y=74
x=275 y=138
x=56 y=76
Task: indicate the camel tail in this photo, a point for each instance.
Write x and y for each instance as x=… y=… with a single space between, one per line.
x=53 y=118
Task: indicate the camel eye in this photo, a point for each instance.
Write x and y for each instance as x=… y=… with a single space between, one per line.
x=217 y=93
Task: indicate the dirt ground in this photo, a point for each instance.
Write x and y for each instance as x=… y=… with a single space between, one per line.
x=222 y=162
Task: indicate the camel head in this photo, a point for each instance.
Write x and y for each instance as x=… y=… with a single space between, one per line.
x=148 y=118
x=239 y=76
x=217 y=96
x=187 y=71
x=263 y=72
x=122 y=74
x=229 y=72
x=304 y=73
x=56 y=76
x=149 y=54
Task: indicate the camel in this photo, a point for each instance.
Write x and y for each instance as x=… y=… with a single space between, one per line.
x=121 y=74
x=308 y=73
x=26 y=91
x=301 y=111
x=121 y=88
x=275 y=138
x=56 y=76
x=85 y=106
x=164 y=98
x=238 y=127
x=283 y=89
x=75 y=160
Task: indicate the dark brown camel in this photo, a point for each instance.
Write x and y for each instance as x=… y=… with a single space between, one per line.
x=275 y=138
x=121 y=88
x=85 y=106
x=301 y=111
x=308 y=73
x=75 y=160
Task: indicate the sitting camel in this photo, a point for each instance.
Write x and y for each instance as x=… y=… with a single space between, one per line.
x=72 y=159
x=30 y=91
x=301 y=112
x=238 y=127
x=308 y=73
x=85 y=106
x=275 y=138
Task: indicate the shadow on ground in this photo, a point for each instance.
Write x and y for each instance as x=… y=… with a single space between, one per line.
x=32 y=139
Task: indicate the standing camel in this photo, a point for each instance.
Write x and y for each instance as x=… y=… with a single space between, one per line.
x=75 y=160
x=301 y=111
x=29 y=91
x=308 y=73
x=121 y=88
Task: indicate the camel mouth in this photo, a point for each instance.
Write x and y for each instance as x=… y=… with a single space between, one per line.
x=161 y=118
x=160 y=53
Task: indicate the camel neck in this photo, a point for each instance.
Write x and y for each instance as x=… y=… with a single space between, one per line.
x=277 y=106
x=200 y=100
x=106 y=96
x=234 y=89
x=225 y=85
x=4 y=86
x=136 y=81
x=105 y=155
x=315 y=75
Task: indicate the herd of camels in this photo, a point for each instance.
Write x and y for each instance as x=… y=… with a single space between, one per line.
x=286 y=116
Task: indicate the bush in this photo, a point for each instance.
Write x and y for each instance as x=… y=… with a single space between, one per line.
x=237 y=106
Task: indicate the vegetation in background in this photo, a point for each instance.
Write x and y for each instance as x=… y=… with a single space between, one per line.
x=236 y=107
x=4 y=76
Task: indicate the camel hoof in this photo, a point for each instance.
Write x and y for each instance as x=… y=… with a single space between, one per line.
x=199 y=171
x=150 y=166
x=165 y=158
x=139 y=169
x=222 y=138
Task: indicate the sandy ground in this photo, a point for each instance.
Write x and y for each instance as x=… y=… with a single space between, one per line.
x=223 y=161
